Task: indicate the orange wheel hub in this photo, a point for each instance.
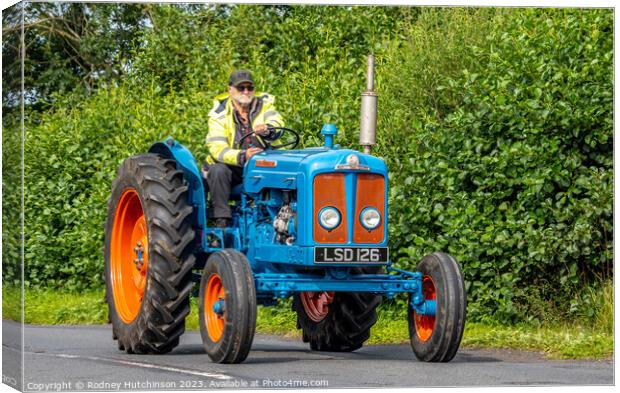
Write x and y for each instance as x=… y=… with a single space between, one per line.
x=129 y=255
x=214 y=307
x=425 y=324
x=316 y=304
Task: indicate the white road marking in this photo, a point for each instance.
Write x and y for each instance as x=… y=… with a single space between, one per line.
x=143 y=365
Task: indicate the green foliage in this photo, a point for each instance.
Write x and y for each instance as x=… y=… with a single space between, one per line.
x=285 y=47
x=11 y=302
x=496 y=125
x=69 y=47
x=11 y=200
x=511 y=171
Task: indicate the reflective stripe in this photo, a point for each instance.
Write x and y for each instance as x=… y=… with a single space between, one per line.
x=217 y=139
x=271 y=113
x=220 y=157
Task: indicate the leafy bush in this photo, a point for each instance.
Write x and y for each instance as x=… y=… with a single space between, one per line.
x=496 y=125
x=512 y=170
x=311 y=58
x=11 y=199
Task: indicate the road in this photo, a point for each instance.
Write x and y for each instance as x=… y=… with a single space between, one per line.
x=64 y=358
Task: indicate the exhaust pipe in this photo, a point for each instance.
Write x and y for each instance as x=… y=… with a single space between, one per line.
x=368 y=124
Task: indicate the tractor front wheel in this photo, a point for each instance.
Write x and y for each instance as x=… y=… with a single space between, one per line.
x=148 y=254
x=436 y=338
x=227 y=307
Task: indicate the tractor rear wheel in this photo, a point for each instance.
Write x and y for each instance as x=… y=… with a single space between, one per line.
x=227 y=307
x=336 y=321
x=148 y=254
x=437 y=338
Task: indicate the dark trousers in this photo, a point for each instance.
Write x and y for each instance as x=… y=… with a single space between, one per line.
x=221 y=178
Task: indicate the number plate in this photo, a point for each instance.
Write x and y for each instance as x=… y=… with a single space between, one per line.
x=350 y=254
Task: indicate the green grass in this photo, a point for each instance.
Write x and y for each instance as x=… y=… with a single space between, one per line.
x=55 y=307
x=581 y=339
x=565 y=341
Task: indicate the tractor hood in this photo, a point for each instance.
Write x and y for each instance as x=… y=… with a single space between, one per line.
x=289 y=169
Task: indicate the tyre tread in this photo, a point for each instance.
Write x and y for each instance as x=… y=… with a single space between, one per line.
x=163 y=193
x=347 y=324
x=444 y=343
x=239 y=328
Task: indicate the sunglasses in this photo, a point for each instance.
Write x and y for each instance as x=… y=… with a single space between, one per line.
x=245 y=87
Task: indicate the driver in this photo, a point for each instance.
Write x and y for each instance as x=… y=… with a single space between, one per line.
x=235 y=114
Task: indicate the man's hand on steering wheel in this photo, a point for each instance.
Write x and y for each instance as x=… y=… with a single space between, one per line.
x=262 y=129
x=269 y=132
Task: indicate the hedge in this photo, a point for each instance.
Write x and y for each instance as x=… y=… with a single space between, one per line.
x=496 y=125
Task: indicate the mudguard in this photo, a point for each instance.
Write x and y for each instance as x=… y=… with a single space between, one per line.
x=186 y=162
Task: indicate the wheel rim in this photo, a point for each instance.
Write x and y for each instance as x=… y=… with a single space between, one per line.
x=129 y=255
x=214 y=296
x=425 y=324
x=316 y=304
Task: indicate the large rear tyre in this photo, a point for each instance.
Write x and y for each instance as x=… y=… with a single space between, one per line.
x=148 y=255
x=437 y=338
x=227 y=309
x=336 y=321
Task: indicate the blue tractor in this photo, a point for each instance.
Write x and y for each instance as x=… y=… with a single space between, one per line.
x=311 y=224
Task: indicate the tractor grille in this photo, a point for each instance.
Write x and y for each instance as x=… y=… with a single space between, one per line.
x=370 y=192
x=329 y=190
x=366 y=190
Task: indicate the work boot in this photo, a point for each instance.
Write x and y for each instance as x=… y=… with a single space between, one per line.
x=221 y=222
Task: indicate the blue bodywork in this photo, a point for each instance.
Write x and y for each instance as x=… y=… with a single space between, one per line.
x=277 y=178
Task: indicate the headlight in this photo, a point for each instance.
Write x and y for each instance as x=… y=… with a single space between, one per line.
x=329 y=218
x=370 y=218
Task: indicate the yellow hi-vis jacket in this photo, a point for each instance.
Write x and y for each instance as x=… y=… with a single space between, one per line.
x=221 y=135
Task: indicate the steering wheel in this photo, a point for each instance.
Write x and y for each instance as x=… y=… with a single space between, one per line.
x=268 y=146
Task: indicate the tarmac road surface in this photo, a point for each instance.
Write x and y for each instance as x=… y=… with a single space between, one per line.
x=63 y=358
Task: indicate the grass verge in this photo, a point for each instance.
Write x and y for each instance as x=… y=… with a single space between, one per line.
x=47 y=306
x=577 y=340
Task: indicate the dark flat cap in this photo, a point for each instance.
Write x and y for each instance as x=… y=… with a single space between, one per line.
x=240 y=76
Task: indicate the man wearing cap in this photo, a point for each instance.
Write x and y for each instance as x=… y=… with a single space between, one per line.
x=236 y=113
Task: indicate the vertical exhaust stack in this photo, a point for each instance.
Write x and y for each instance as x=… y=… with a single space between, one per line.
x=368 y=125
